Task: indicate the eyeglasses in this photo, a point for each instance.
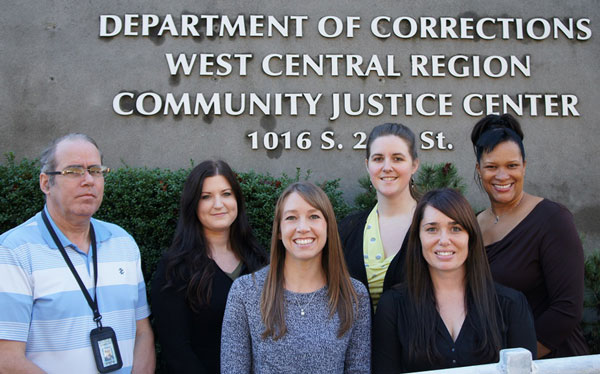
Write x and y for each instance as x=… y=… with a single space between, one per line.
x=79 y=171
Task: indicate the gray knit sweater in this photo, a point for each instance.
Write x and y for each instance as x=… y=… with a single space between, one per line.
x=310 y=344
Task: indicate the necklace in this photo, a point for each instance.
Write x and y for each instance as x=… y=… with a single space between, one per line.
x=308 y=303
x=497 y=217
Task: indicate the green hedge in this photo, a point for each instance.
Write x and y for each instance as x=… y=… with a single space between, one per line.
x=591 y=315
x=20 y=195
x=145 y=203
x=429 y=177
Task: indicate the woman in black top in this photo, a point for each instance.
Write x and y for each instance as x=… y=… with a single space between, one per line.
x=374 y=241
x=449 y=312
x=213 y=245
x=531 y=242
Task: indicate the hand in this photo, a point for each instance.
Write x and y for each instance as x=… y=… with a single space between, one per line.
x=542 y=350
x=144 y=358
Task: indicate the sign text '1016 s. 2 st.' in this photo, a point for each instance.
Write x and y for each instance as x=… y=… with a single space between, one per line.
x=326 y=141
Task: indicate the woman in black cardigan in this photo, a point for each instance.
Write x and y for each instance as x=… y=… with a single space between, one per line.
x=449 y=312
x=374 y=241
x=212 y=246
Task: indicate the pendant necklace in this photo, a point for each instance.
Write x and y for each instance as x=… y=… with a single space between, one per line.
x=497 y=217
x=308 y=303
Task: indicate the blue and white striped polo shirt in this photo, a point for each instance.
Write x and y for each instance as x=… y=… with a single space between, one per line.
x=42 y=304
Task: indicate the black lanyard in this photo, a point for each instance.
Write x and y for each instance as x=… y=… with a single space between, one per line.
x=93 y=303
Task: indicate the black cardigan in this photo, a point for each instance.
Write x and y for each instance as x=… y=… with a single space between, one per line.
x=391 y=341
x=351 y=231
x=190 y=342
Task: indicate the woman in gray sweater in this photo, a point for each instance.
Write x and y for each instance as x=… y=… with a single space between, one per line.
x=303 y=313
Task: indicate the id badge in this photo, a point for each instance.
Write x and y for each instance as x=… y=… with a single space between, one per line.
x=106 y=349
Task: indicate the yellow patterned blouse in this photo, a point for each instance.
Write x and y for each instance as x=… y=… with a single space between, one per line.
x=376 y=264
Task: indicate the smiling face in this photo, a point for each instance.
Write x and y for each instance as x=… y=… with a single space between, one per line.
x=217 y=208
x=303 y=229
x=445 y=243
x=502 y=172
x=390 y=165
x=73 y=198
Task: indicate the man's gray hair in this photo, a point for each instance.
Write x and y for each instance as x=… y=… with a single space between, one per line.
x=48 y=156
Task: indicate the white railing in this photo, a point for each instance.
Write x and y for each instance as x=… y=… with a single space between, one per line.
x=518 y=361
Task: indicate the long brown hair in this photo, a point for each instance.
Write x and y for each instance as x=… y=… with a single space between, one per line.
x=188 y=260
x=342 y=296
x=480 y=291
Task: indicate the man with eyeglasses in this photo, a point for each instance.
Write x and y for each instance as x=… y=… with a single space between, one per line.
x=72 y=294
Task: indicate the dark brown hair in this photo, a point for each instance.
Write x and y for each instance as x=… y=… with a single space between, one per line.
x=188 y=256
x=342 y=296
x=480 y=291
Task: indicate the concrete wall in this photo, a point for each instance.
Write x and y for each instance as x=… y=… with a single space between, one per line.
x=518 y=361
x=59 y=75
